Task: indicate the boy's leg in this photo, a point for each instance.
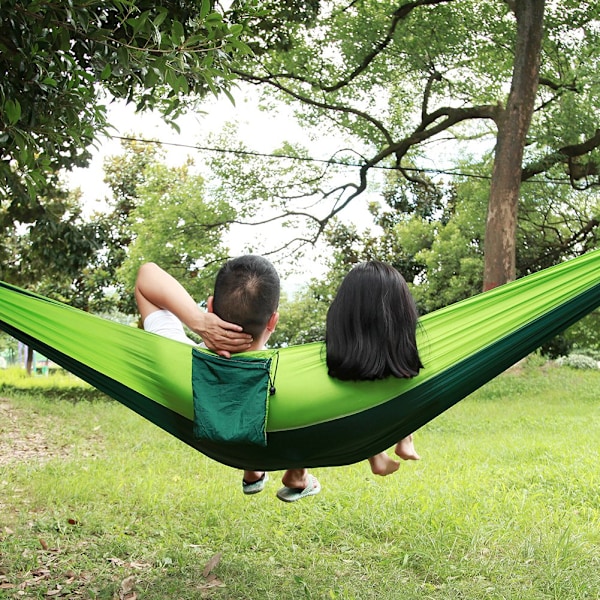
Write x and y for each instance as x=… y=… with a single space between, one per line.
x=296 y=478
x=252 y=476
x=298 y=484
x=254 y=482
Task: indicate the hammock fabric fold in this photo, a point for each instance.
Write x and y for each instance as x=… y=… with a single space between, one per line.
x=314 y=420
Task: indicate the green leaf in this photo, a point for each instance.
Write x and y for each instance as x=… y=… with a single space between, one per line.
x=229 y=95
x=123 y=56
x=236 y=29
x=177 y=33
x=106 y=72
x=174 y=125
x=151 y=78
x=205 y=8
x=138 y=23
x=214 y=18
x=12 y=108
x=160 y=17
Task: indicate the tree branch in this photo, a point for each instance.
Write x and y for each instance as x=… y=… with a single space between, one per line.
x=562 y=155
x=435 y=76
x=399 y=14
x=558 y=87
x=272 y=81
x=427 y=130
x=344 y=194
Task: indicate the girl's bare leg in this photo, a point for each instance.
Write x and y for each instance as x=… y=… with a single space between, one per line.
x=382 y=464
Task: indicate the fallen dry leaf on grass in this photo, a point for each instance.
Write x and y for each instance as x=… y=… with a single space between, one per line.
x=140 y=566
x=126 y=589
x=5 y=585
x=6 y=532
x=40 y=573
x=55 y=592
x=211 y=564
x=211 y=580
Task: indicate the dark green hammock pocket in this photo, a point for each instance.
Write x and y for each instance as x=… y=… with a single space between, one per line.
x=231 y=396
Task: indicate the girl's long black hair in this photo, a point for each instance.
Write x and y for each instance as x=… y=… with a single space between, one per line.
x=371 y=326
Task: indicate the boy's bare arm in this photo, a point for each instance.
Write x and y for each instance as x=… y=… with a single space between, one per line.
x=155 y=289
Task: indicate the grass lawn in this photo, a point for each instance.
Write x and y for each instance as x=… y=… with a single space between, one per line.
x=95 y=502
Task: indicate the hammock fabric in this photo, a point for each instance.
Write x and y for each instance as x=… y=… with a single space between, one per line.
x=314 y=420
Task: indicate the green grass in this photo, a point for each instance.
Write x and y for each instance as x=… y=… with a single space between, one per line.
x=505 y=504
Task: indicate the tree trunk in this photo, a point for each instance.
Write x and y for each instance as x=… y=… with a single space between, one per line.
x=513 y=125
x=29 y=360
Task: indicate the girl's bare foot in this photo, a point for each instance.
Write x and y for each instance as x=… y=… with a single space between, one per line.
x=405 y=449
x=382 y=464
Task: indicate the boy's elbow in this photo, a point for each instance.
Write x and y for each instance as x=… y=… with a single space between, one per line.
x=147 y=269
x=144 y=274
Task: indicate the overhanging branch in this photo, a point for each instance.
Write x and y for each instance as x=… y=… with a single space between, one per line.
x=565 y=154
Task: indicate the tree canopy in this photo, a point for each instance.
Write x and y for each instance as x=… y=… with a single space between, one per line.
x=61 y=63
x=450 y=113
x=411 y=83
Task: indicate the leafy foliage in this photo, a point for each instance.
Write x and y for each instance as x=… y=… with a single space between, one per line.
x=411 y=83
x=433 y=235
x=58 y=60
x=584 y=336
x=578 y=361
x=302 y=318
x=61 y=63
x=157 y=213
x=174 y=226
x=52 y=248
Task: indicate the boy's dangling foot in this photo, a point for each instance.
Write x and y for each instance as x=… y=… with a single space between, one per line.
x=254 y=482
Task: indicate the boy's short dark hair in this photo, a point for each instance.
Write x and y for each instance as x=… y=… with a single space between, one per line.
x=247 y=292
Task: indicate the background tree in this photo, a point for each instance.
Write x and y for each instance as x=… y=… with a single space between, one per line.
x=173 y=225
x=155 y=213
x=62 y=63
x=433 y=234
x=265 y=186
x=302 y=316
x=443 y=254
x=58 y=60
x=55 y=254
x=512 y=121
x=123 y=173
x=397 y=79
x=51 y=248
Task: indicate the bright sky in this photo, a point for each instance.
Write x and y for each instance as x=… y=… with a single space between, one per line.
x=259 y=130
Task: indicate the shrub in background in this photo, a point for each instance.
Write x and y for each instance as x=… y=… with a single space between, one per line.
x=578 y=361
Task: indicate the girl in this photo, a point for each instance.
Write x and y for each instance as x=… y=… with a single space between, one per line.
x=371 y=334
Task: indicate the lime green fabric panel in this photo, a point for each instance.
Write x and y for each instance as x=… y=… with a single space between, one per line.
x=446 y=337
x=231 y=397
x=149 y=364
x=161 y=369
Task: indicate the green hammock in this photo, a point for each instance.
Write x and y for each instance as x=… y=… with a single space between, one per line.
x=314 y=420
